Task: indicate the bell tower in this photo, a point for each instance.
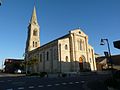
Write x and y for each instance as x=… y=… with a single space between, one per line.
x=33 y=39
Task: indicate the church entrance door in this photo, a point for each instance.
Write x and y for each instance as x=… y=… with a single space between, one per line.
x=81 y=64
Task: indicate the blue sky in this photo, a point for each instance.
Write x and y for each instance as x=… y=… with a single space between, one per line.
x=97 y=18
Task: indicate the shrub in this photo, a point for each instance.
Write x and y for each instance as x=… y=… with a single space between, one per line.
x=64 y=75
x=34 y=74
x=43 y=74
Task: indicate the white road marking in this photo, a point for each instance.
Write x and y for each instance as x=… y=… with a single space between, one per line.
x=10 y=89
x=70 y=82
x=82 y=81
x=20 y=88
x=76 y=82
x=64 y=83
x=49 y=85
x=18 y=82
x=40 y=86
x=31 y=87
x=57 y=84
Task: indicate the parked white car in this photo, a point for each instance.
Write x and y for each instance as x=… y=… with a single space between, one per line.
x=18 y=71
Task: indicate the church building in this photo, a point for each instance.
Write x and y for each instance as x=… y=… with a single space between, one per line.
x=68 y=53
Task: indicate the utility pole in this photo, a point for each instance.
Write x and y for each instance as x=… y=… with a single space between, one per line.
x=109 y=53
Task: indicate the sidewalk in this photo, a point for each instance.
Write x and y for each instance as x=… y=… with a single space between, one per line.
x=10 y=75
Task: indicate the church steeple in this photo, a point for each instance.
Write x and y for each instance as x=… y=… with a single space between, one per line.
x=33 y=39
x=34 y=16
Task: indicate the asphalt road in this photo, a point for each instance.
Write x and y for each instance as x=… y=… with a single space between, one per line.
x=87 y=82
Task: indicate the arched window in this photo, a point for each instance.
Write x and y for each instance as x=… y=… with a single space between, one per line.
x=47 y=56
x=66 y=47
x=90 y=60
x=66 y=58
x=33 y=43
x=40 y=57
x=83 y=45
x=80 y=44
x=89 y=50
x=54 y=54
x=34 y=32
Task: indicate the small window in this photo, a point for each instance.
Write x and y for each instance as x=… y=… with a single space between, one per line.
x=79 y=32
x=33 y=43
x=66 y=47
x=47 y=56
x=83 y=45
x=40 y=57
x=90 y=60
x=34 y=32
x=89 y=50
x=80 y=44
x=55 y=52
x=66 y=58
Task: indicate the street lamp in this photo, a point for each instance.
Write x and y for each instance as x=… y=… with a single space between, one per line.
x=109 y=53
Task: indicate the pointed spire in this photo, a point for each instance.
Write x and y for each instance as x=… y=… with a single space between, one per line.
x=34 y=17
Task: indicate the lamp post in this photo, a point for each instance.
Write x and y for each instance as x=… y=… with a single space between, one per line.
x=109 y=53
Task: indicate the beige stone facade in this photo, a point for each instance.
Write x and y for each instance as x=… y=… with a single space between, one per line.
x=33 y=39
x=69 y=53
